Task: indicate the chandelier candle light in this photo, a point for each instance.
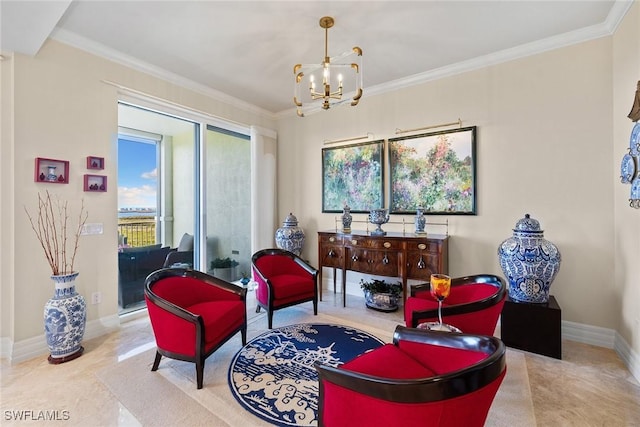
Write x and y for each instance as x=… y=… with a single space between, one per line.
x=349 y=62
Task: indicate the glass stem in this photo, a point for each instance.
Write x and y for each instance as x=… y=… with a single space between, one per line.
x=440 y=311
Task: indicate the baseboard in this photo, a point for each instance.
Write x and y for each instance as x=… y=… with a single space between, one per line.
x=628 y=356
x=5 y=348
x=37 y=346
x=588 y=334
x=603 y=337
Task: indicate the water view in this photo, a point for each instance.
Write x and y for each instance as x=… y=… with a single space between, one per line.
x=133 y=213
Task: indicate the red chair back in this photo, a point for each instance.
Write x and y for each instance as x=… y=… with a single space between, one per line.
x=474 y=304
x=424 y=379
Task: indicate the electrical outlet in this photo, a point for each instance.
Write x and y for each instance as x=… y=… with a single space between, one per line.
x=96 y=298
x=235 y=252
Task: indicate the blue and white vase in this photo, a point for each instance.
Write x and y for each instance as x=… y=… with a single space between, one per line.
x=529 y=262
x=290 y=237
x=420 y=221
x=65 y=317
x=51 y=175
x=346 y=219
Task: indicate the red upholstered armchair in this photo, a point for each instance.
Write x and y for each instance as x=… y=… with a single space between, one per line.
x=425 y=378
x=284 y=279
x=192 y=314
x=473 y=306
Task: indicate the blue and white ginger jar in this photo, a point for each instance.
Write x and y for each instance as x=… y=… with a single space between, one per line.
x=290 y=237
x=420 y=221
x=346 y=219
x=529 y=262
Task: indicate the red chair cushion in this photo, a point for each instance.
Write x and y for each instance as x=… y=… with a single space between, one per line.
x=173 y=289
x=440 y=359
x=219 y=318
x=289 y=285
x=388 y=361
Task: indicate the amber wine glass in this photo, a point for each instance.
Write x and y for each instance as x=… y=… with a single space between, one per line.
x=440 y=288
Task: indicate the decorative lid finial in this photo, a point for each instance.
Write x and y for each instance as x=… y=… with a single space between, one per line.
x=527 y=225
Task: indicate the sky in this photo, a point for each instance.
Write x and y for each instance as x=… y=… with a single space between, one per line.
x=137 y=174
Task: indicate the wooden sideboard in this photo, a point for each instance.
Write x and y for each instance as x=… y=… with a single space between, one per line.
x=402 y=255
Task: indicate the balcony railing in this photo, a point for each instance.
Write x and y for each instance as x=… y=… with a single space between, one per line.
x=141 y=232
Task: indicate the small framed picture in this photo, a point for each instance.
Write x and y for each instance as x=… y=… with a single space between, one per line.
x=95 y=183
x=95 y=162
x=51 y=171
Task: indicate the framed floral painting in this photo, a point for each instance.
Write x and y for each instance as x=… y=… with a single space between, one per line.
x=353 y=175
x=434 y=171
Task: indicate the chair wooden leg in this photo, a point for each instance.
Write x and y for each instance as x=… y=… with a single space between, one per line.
x=315 y=307
x=199 y=372
x=244 y=336
x=156 y=363
x=270 y=317
x=258 y=309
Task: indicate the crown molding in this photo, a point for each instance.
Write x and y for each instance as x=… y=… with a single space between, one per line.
x=604 y=29
x=82 y=43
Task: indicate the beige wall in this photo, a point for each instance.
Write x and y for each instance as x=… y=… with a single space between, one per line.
x=626 y=283
x=6 y=202
x=64 y=110
x=182 y=185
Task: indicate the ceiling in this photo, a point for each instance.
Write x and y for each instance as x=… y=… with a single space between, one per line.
x=243 y=51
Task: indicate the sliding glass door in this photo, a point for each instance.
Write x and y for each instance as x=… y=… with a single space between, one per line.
x=202 y=190
x=227 y=202
x=157 y=194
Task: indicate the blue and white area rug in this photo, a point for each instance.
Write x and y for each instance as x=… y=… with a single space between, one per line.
x=273 y=375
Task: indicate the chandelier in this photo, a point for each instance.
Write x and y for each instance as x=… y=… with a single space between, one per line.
x=328 y=76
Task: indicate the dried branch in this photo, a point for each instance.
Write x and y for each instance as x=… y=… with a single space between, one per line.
x=51 y=230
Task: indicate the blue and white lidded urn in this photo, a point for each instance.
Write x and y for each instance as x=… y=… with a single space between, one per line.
x=529 y=261
x=346 y=219
x=290 y=237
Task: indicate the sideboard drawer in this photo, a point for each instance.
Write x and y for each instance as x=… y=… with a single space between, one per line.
x=335 y=239
x=331 y=255
x=422 y=266
x=427 y=246
x=373 y=243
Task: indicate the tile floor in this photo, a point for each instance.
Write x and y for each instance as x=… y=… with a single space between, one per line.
x=589 y=387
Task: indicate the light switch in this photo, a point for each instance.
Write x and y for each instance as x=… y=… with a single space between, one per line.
x=92 y=228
